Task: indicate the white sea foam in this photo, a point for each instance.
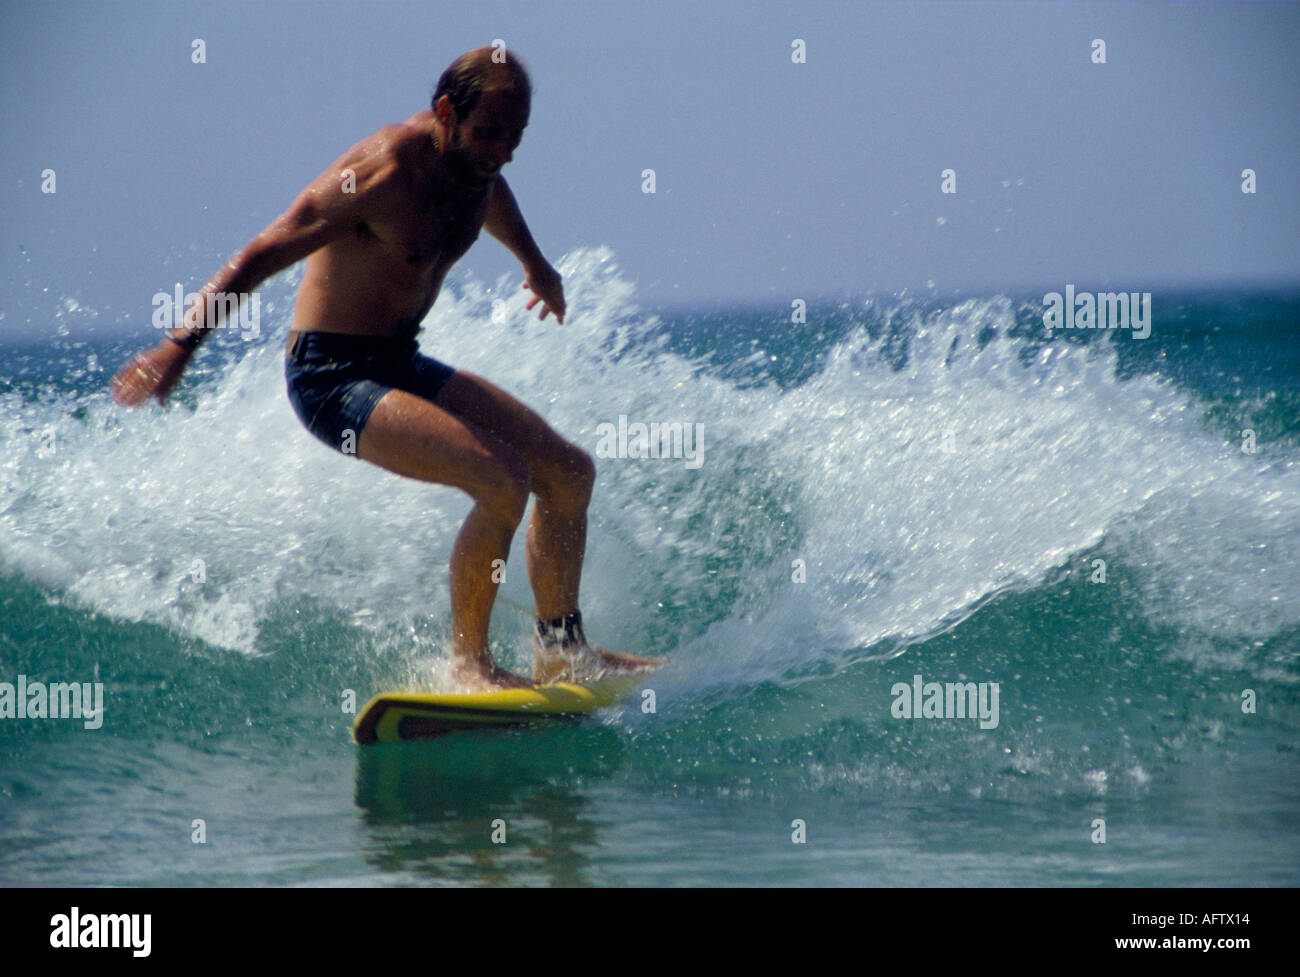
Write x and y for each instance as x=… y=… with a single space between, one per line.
x=910 y=495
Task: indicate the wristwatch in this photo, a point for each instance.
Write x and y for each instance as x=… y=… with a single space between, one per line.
x=190 y=342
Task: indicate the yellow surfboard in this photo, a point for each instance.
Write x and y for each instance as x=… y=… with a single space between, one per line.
x=391 y=717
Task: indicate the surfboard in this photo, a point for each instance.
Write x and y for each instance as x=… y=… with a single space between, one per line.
x=392 y=717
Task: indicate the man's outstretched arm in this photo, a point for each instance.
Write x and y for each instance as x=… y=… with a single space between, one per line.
x=322 y=212
x=505 y=223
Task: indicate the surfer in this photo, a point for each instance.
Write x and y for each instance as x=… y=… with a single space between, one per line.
x=380 y=228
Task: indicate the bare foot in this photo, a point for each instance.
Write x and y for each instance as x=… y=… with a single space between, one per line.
x=479 y=677
x=582 y=663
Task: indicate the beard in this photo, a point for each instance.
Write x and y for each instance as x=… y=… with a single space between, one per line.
x=467 y=167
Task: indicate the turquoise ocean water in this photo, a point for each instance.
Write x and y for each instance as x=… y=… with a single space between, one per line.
x=1106 y=528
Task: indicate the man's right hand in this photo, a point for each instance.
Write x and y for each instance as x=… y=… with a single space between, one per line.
x=151 y=373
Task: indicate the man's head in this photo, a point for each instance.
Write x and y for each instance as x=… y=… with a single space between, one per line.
x=484 y=69
x=483 y=100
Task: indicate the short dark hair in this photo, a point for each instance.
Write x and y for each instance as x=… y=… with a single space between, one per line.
x=474 y=73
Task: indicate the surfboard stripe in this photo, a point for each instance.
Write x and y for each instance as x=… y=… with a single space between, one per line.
x=424 y=727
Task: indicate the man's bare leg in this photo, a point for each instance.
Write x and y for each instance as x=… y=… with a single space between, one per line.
x=561 y=475
x=410 y=436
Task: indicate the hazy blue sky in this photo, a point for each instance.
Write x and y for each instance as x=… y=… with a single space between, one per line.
x=774 y=179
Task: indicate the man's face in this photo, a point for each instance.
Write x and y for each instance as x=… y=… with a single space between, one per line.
x=486 y=140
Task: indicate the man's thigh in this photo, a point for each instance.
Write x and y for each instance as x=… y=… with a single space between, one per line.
x=415 y=437
x=487 y=407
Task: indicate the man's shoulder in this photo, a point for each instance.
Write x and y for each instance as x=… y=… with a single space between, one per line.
x=390 y=140
x=398 y=142
x=406 y=136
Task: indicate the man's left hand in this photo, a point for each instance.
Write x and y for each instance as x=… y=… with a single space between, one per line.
x=544 y=282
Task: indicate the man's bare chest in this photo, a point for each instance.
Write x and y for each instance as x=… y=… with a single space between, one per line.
x=431 y=234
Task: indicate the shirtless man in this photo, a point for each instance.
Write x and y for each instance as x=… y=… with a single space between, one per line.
x=380 y=228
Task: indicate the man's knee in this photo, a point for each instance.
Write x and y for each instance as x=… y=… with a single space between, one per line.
x=505 y=490
x=569 y=475
x=583 y=470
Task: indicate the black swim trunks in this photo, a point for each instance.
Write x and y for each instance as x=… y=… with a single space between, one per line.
x=335 y=380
